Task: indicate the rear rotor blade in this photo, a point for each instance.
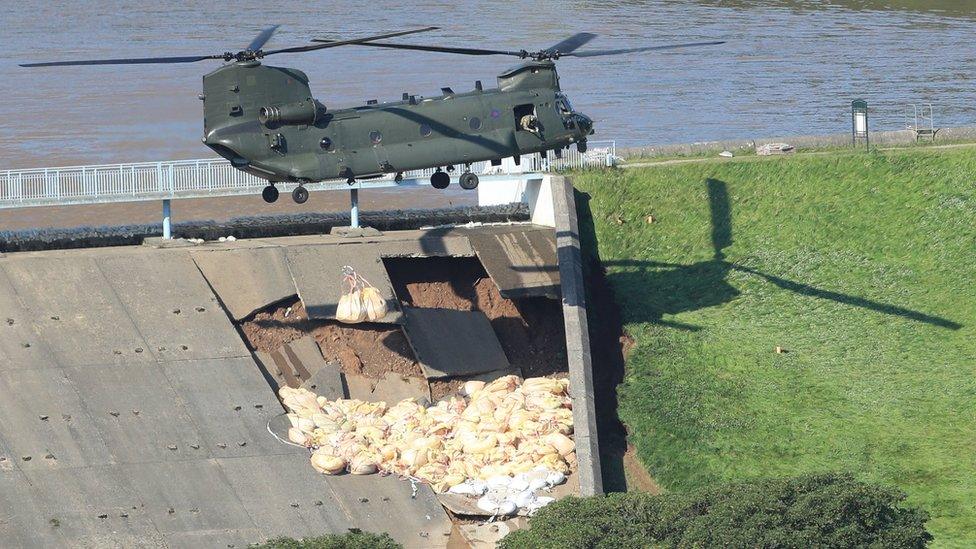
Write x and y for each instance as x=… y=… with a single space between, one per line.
x=262 y=38
x=572 y=43
x=347 y=42
x=597 y=53
x=130 y=61
x=441 y=49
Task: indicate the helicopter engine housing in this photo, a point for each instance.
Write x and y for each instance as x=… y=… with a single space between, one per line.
x=292 y=114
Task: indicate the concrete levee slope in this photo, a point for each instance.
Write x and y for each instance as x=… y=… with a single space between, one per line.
x=125 y=376
x=132 y=414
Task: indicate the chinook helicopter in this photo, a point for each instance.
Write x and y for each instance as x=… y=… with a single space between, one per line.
x=265 y=121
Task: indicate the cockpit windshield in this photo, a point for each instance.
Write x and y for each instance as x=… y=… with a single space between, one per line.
x=563 y=104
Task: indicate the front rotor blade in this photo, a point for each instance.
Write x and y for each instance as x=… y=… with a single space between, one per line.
x=572 y=43
x=132 y=61
x=597 y=53
x=441 y=49
x=347 y=42
x=262 y=38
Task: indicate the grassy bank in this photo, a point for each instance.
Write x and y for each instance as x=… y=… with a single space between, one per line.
x=859 y=266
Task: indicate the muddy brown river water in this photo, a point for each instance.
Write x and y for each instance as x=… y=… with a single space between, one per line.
x=789 y=67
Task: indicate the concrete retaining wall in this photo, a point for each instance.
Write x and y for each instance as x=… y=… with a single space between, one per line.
x=577 y=335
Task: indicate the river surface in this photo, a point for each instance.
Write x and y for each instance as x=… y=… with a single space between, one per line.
x=789 y=67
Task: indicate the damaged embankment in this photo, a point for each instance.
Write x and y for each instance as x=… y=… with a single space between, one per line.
x=529 y=329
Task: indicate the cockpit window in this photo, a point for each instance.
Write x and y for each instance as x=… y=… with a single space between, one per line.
x=562 y=103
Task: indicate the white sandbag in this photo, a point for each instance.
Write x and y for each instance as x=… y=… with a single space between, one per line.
x=555 y=478
x=469 y=488
x=495 y=507
x=518 y=484
x=499 y=483
x=350 y=309
x=523 y=499
x=538 y=503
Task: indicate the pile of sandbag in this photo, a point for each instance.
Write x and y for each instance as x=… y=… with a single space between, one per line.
x=500 y=429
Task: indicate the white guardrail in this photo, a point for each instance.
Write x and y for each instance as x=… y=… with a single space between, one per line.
x=216 y=177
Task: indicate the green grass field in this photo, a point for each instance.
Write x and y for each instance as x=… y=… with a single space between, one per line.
x=861 y=266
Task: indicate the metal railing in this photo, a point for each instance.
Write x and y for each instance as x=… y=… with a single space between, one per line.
x=216 y=177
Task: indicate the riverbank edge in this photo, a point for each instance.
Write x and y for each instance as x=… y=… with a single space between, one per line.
x=894 y=138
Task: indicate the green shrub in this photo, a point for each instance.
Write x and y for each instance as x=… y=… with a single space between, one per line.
x=830 y=510
x=354 y=539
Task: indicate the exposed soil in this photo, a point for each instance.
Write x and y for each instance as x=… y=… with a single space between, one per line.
x=530 y=330
x=367 y=349
x=442 y=388
x=638 y=479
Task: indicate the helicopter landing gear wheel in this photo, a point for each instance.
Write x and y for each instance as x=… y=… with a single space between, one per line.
x=440 y=180
x=300 y=195
x=398 y=177
x=270 y=194
x=468 y=181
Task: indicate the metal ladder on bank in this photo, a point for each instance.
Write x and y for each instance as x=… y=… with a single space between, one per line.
x=921 y=120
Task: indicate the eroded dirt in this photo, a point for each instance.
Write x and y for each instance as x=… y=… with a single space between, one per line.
x=367 y=349
x=530 y=330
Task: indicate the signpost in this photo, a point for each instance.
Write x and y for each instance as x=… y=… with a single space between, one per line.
x=859 y=122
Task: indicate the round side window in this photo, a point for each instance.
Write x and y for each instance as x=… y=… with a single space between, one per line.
x=425 y=130
x=326 y=143
x=375 y=137
x=475 y=123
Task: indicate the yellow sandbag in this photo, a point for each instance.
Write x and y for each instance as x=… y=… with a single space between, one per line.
x=327 y=463
x=364 y=463
x=561 y=442
x=297 y=436
x=375 y=306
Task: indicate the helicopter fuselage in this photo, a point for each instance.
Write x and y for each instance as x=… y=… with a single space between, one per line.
x=265 y=120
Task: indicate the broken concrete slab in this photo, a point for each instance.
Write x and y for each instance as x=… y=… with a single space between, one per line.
x=521 y=260
x=488 y=535
x=354 y=232
x=392 y=388
x=327 y=381
x=179 y=321
x=74 y=310
x=317 y=271
x=293 y=363
x=246 y=279
x=44 y=424
x=230 y=403
x=138 y=414
x=450 y=343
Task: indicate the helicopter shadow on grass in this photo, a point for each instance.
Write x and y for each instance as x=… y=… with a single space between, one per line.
x=671 y=288
x=654 y=289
